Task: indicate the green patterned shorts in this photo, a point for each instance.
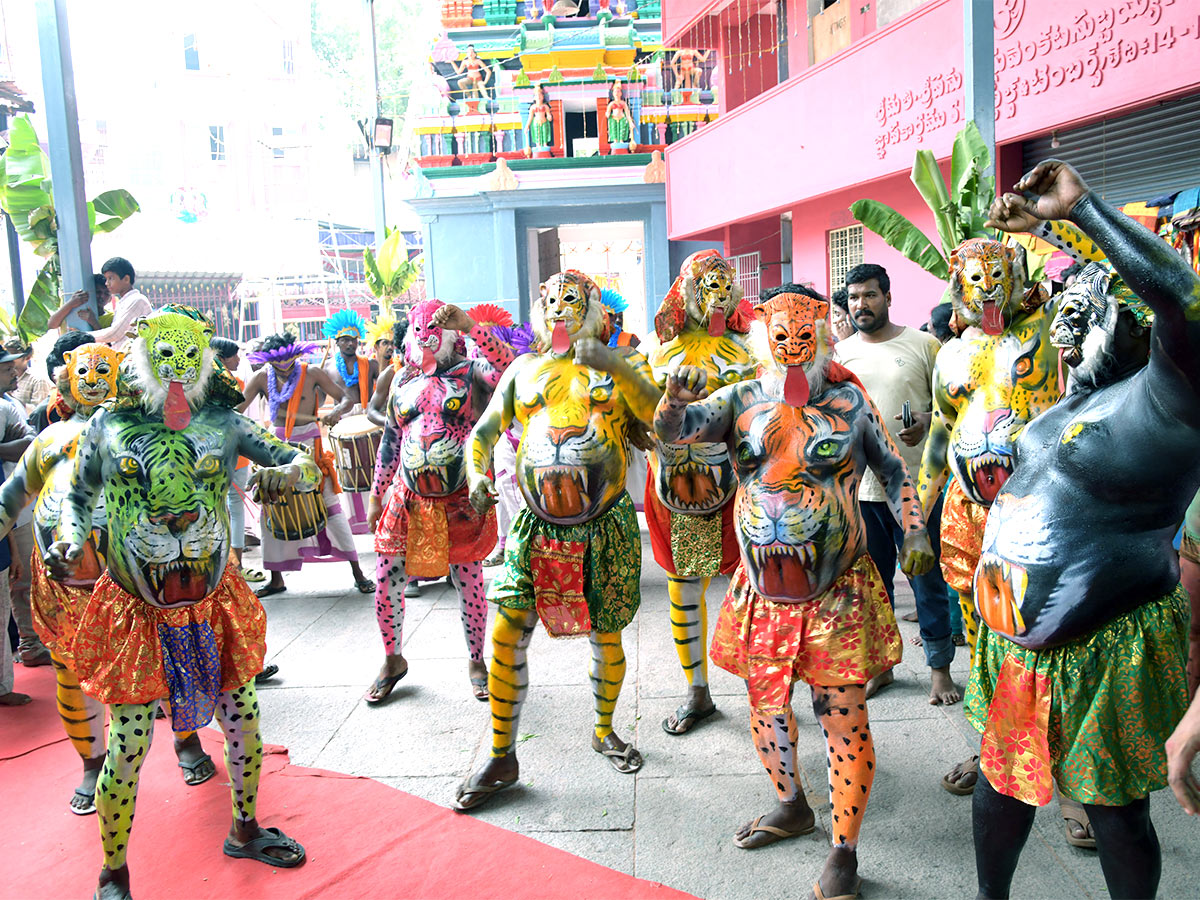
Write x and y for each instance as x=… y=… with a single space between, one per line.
x=612 y=565
x=1108 y=703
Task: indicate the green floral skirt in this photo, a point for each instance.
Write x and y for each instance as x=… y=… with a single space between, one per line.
x=1092 y=714
x=561 y=569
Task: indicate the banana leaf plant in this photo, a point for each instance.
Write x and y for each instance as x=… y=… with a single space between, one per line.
x=27 y=195
x=390 y=273
x=959 y=209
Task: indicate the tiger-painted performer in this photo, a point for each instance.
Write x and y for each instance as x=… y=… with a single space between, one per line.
x=294 y=390
x=86 y=379
x=988 y=383
x=1080 y=665
x=806 y=602
x=171 y=618
x=689 y=512
x=429 y=527
x=573 y=554
x=357 y=375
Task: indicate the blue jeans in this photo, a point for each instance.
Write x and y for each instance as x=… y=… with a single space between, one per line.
x=933 y=608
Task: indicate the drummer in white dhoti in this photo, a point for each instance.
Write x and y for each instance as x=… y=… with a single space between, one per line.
x=357 y=375
x=294 y=391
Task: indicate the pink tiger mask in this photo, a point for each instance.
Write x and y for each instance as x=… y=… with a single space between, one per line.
x=427 y=346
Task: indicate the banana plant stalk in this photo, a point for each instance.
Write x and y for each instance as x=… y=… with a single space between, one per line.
x=959 y=209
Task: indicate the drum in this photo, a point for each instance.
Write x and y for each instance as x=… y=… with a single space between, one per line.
x=354 y=442
x=295 y=515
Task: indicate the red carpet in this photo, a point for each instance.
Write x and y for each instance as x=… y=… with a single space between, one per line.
x=363 y=838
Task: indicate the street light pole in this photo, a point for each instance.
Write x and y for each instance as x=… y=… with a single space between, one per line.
x=376 y=153
x=979 y=41
x=66 y=157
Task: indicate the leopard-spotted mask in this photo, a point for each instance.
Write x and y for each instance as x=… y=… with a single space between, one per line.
x=987 y=284
x=173 y=362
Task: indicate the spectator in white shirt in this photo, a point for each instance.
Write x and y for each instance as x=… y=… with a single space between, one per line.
x=131 y=305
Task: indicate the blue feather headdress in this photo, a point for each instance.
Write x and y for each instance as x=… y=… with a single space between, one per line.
x=614 y=300
x=343 y=322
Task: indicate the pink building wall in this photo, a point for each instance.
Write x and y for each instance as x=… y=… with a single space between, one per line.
x=914 y=291
x=857 y=118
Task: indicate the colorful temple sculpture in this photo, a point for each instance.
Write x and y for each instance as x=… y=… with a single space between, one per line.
x=541 y=79
x=539 y=145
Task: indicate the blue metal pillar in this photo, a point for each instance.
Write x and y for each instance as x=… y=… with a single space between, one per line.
x=66 y=158
x=979 y=83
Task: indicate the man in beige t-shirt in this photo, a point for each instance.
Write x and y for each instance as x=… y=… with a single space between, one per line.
x=895 y=364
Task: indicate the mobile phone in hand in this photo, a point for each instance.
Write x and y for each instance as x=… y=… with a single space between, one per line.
x=906 y=416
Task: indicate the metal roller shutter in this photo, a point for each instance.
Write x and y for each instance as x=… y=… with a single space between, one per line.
x=1133 y=157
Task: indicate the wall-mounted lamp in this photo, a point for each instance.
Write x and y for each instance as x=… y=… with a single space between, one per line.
x=382 y=136
x=1054 y=141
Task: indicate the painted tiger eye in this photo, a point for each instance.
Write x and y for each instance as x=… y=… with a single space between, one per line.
x=128 y=465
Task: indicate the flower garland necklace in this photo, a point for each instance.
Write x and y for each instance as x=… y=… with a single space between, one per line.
x=276 y=397
x=350 y=380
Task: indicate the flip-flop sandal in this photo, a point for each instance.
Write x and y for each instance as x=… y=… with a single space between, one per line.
x=266 y=674
x=382 y=684
x=472 y=796
x=479 y=688
x=365 y=586
x=686 y=719
x=87 y=810
x=190 y=769
x=626 y=761
x=253 y=576
x=820 y=894
x=777 y=834
x=967 y=768
x=270 y=591
x=909 y=616
x=256 y=849
x=1072 y=811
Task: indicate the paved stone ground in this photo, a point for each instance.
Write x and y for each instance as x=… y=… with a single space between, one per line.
x=673 y=821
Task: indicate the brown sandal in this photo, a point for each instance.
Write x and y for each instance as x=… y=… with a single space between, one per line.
x=971 y=767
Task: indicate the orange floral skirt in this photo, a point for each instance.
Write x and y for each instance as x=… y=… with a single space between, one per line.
x=127 y=651
x=56 y=609
x=848 y=635
x=962 y=538
x=433 y=532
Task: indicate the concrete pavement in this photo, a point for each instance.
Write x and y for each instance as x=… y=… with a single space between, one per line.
x=672 y=822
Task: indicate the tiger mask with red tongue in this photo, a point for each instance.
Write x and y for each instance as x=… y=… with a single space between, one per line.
x=987 y=284
x=427 y=346
x=793 y=340
x=173 y=362
x=568 y=308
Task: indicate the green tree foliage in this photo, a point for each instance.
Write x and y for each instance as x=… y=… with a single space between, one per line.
x=405 y=30
x=27 y=195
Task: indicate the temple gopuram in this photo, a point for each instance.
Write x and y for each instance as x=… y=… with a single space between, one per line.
x=540 y=147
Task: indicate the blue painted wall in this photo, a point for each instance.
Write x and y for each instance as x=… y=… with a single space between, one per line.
x=476 y=247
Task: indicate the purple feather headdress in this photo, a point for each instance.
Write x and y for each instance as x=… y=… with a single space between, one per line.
x=287 y=351
x=519 y=337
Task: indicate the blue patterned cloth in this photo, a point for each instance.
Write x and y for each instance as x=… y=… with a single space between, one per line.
x=192 y=669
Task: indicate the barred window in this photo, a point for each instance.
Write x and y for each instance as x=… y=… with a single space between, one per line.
x=845 y=252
